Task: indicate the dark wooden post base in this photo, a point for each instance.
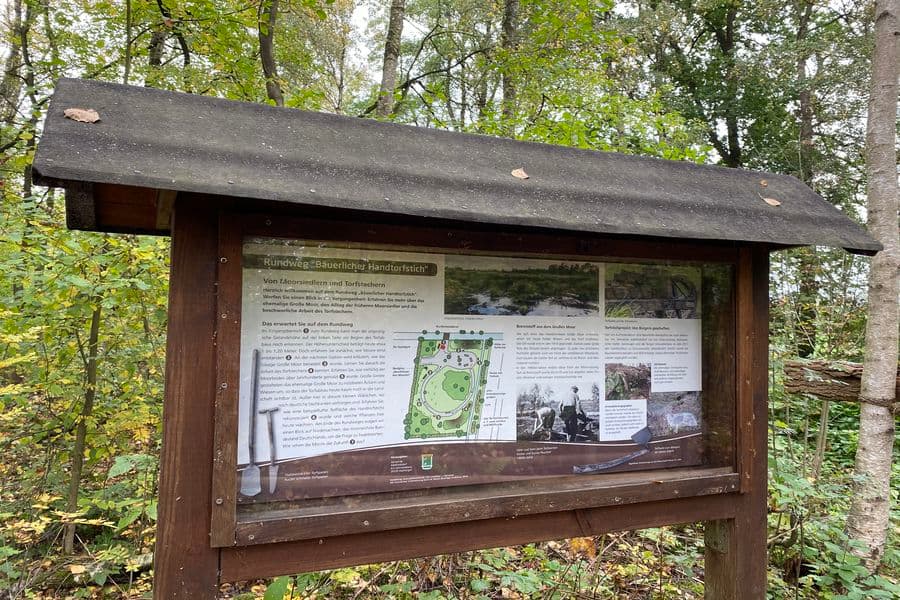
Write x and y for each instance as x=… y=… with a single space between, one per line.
x=736 y=548
x=185 y=565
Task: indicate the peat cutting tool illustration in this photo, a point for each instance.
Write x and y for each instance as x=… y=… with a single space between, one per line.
x=641 y=438
x=250 y=476
x=273 y=467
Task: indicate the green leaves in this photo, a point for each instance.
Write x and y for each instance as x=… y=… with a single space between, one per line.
x=126 y=463
x=277 y=589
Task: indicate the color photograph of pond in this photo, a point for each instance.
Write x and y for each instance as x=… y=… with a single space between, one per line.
x=504 y=286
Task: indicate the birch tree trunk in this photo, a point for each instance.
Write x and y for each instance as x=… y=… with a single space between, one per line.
x=385 y=105
x=868 y=517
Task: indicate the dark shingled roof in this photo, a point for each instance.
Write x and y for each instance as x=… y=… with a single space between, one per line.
x=171 y=141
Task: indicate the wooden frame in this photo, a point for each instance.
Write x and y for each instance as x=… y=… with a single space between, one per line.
x=385 y=511
x=202 y=318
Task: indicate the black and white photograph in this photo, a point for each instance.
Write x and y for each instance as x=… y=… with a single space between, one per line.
x=557 y=412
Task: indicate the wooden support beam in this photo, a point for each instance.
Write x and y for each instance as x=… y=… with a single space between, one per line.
x=285 y=558
x=81 y=212
x=736 y=548
x=186 y=566
x=165 y=202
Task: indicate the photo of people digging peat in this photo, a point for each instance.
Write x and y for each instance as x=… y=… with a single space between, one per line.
x=494 y=286
x=544 y=413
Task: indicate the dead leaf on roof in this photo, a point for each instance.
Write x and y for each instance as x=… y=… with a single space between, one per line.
x=82 y=115
x=764 y=182
x=770 y=201
x=520 y=173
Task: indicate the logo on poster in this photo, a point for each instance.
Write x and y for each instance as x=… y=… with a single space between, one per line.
x=427 y=461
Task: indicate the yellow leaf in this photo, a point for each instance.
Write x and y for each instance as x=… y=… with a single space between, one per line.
x=520 y=173
x=584 y=545
x=13 y=360
x=77 y=569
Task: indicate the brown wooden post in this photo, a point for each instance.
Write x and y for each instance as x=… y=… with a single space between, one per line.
x=185 y=564
x=736 y=548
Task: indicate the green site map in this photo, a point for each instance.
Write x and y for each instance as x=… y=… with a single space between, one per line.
x=449 y=378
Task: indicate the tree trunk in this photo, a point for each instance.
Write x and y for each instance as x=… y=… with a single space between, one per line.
x=509 y=41
x=11 y=84
x=805 y=95
x=727 y=43
x=90 y=392
x=481 y=85
x=821 y=440
x=868 y=517
x=157 y=42
x=155 y=49
x=29 y=79
x=385 y=104
x=127 y=61
x=267 y=15
x=808 y=292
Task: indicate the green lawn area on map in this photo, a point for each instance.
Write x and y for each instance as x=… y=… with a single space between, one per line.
x=448 y=387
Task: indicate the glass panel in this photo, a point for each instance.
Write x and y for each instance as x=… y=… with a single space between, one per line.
x=373 y=370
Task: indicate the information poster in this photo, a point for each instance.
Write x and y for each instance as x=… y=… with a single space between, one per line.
x=369 y=371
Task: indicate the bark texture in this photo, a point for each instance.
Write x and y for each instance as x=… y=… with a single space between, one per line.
x=805 y=332
x=385 y=105
x=868 y=518
x=90 y=393
x=157 y=48
x=11 y=84
x=509 y=41
x=268 y=15
x=726 y=38
x=836 y=380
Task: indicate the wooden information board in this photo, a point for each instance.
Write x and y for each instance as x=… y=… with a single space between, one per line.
x=375 y=378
